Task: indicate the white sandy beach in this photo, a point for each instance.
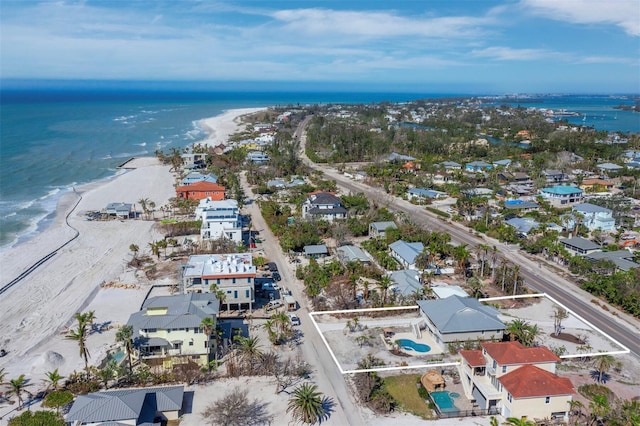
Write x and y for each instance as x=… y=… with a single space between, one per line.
x=221 y=126
x=36 y=312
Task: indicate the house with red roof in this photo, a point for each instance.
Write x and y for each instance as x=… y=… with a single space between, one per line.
x=516 y=381
x=201 y=190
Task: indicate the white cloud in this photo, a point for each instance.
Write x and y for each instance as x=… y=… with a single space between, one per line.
x=502 y=53
x=623 y=13
x=373 y=25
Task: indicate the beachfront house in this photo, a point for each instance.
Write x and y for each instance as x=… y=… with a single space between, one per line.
x=168 y=329
x=579 y=246
x=194 y=177
x=120 y=210
x=562 y=196
x=128 y=406
x=323 y=206
x=509 y=379
x=405 y=253
x=201 y=190
x=460 y=319
x=220 y=219
x=232 y=273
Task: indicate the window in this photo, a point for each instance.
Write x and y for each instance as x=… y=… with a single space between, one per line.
x=191 y=343
x=197 y=330
x=233 y=281
x=509 y=397
x=247 y=294
x=235 y=294
x=547 y=400
x=504 y=368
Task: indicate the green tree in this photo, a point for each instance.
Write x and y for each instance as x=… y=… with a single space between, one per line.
x=57 y=399
x=384 y=284
x=53 y=379
x=559 y=314
x=37 y=418
x=249 y=351
x=603 y=364
x=134 y=249
x=476 y=285
x=80 y=335
x=209 y=324
x=17 y=386
x=514 y=421
x=124 y=335
x=306 y=404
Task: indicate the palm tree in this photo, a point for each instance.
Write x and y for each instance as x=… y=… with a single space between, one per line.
x=221 y=295
x=461 y=254
x=519 y=422
x=475 y=284
x=249 y=350
x=559 y=315
x=515 y=329
x=53 y=377
x=17 y=387
x=125 y=335
x=209 y=324
x=134 y=249
x=384 y=284
x=306 y=405
x=282 y=321
x=516 y=270
x=602 y=364
x=481 y=252
x=155 y=249
x=143 y=204
x=81 y=334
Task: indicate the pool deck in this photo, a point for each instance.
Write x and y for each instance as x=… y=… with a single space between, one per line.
x=461 y=403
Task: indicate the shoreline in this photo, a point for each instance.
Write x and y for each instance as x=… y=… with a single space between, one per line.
x=220 y=127
x=36 y=313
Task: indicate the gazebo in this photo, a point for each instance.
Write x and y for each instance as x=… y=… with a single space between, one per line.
x=432 y=381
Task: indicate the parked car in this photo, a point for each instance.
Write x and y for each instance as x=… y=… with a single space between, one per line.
x=295 y=320
x=274 y=304
x=271 y=266
x=276 y=276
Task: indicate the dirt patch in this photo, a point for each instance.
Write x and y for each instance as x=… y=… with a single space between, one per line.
x=568 y=338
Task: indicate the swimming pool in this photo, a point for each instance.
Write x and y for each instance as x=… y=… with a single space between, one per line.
x=117 y=357
x=410 y=345
x=444 y=402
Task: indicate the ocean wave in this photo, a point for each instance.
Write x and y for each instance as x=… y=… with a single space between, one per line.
x=141 y=144
x=124 y=118
x=51 y=193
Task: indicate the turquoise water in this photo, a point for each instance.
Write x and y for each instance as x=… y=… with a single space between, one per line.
x=443 y=401
x=408 y=344
x=117 y=357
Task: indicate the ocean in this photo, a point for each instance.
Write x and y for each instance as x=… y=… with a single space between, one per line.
x=53 y=140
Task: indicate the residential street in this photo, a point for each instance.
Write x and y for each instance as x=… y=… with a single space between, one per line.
x=326 y=374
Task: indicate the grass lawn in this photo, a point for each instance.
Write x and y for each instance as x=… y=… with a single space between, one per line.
x=404 y=390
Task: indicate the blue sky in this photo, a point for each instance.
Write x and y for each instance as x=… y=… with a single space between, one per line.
x=460 y=46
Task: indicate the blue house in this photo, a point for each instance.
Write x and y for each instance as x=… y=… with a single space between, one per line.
x=477 y=166
x=422 y=194
x=406 y=253
x=194 y=177
x=595 y=217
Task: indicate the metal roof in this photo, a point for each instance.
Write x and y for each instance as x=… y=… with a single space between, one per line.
x=352 y=253
x=407 y=251
x=457 y=314
x=316 y=249
x=580 y=243
x=590 y=208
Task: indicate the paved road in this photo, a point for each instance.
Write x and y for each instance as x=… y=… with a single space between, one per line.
x=537 y=277
x=327 y=376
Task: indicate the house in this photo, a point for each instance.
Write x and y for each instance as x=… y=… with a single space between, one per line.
x=460 y=319
x=477 y=192
x=562 y=195
x=440 y=178
x=323 y=206
x=406 y=253
x=555 y=176
x=395 y=157
x=168 y=329
x=201 y=190
x=379 y=229
x=232 y=273
x=477 y=166
x=579 y=246
x=520 y=205
x=127 y=406
x=451 y=165
x=220 y=219
x=609 y=167
x=194 y=177
x=423 y=194
x=351 y=253
x=405 y=282
x=444 y=291
x=257 y=157
x=523 y=225
x=502 y=163
x=120 y=210
x=597 y=185
x=316 y=251
x=516 y=177
x=595 y=217
x=623 y=259
x=515 y=381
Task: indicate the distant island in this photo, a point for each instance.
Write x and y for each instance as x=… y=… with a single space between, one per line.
x=635 y=107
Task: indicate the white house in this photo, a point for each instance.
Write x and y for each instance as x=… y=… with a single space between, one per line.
x=405 y=253
x=220 y=219
x=232 y=273
x=595 y=217
x=562 y=195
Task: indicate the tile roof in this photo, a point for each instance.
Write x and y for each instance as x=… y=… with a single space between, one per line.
x=473 y=357
x=530 y=381
x=510 y=353
x=201 y=186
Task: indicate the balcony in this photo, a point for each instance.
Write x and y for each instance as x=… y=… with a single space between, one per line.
x=491 y=370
